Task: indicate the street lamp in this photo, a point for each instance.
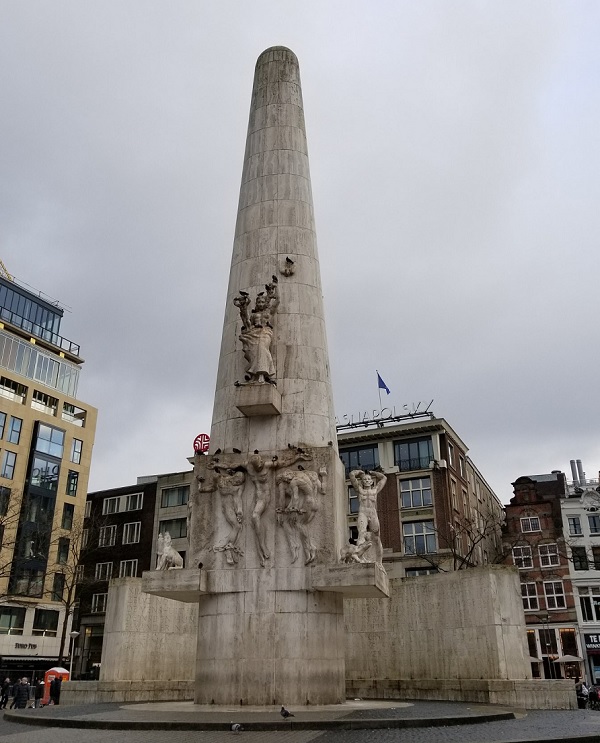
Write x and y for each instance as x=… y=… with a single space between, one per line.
x=73 y=635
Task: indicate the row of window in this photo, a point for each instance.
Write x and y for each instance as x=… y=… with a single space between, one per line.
x=554 y=593
x=127 y=569
x=575 y=528
x=548 y=556
x=107 y=535
x=411 y=454
x=121 y=503
x=12 y=621
x=414 y=493
x=13 y=433
x=42 y=401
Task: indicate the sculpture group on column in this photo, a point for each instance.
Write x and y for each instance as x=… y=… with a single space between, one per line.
x=257 y=333
x=297 y=505
x=167 y=557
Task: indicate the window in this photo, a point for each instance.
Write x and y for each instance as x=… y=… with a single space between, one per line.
x=58 y=587
x=4 y=500
x=555 y=594
x=2 y=424
x=531 y=523
x=14 y=430
x=44 y=403
x=177 y=528
x=111 y=505
x=50 y=440
x=415 y=572
x=529 y=594
x=128 y=568
x=134 y=502
x=85 y=538
x=79 y=573
x=522 y=557
x=596 y=557
x=99 y=603
x=67 y=516
x=580 y=558
x=12 y=620
x=548 y=555
x=64 y=544
x=27 y=582
x=103 y=571
x=45 y=473
x=72 y=481
x=416 y=493
x=360 y=458
x=74 y=415
x=568 y=641
x=413 y=454
x=131 y=532
x=589 y=600
x=352 y=500
x=174 y=496
x=450 y=455
x=88 y=509
x=76 y=449
x=574 y=526
x=13 y=390
x=107 y=536
x=419 y=537
x=8 y=465
x=461 y=466
x=594 y=522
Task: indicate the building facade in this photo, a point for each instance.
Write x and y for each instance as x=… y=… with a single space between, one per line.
x=436 y=511
x=581 y=529
x=534 y=542
x=122 y=528
x=46 y=440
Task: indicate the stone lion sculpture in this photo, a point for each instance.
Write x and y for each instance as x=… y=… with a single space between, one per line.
x=167 y=557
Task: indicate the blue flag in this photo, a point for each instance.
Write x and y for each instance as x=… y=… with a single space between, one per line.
x=381 y=384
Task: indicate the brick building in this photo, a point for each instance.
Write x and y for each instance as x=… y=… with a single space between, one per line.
x=534 y=542
x=436 y=510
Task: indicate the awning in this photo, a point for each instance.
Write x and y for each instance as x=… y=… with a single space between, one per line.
x=534 y=660
x=567 y=659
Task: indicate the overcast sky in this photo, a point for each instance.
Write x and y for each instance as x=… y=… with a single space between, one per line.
x=455 y=159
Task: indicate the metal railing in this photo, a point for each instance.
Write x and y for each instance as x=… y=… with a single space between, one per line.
x=39 y=332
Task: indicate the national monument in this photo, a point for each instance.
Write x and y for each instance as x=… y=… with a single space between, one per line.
x=267 y=520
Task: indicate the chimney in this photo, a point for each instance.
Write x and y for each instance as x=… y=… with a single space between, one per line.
x=574 y=473
x=580 y=472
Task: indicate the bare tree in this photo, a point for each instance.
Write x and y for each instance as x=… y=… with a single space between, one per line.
x=73 y=544
x=462 y=544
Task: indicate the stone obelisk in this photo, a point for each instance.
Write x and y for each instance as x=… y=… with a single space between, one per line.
x=268 y=503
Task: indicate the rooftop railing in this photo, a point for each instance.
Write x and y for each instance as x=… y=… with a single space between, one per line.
x=39 y=332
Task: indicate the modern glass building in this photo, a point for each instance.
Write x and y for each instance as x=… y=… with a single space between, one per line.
x=46 y=439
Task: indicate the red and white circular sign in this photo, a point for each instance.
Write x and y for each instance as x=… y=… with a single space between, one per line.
x=202 y=442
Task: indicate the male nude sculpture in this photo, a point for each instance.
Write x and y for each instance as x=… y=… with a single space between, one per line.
x=259 y=472
x=368 y=485
x=302 y=488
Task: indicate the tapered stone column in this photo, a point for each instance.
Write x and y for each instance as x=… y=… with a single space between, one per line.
x=268 y=504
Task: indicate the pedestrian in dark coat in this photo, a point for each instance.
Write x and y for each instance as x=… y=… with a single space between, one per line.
x=21 y=694
x=55 y=685
x=39 y=693
x=5 y=693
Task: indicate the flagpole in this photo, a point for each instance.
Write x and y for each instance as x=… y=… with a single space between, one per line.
x=378 y=388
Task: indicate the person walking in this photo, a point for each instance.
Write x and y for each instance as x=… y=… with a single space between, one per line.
x=21 y=694
x=39 y=693
x=55 y=685
x=5 y=693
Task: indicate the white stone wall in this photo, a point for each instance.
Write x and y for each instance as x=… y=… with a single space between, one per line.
x=463 y=625
x=146 y=637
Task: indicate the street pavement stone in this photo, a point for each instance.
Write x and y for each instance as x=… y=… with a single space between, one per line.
x=537 y=725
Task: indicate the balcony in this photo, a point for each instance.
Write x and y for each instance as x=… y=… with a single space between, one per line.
x=37 y=331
